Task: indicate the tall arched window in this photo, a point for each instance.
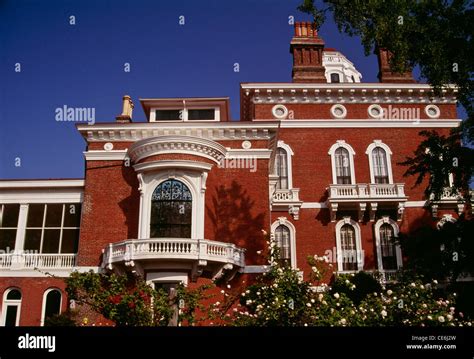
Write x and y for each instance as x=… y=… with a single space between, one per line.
x=379 y=158
x=11 y=307
x=349 y=248
x=281 y=168
x=343 y=166
x=388 y=247
x=283 y=241
x=51 y=304
x=171 y=210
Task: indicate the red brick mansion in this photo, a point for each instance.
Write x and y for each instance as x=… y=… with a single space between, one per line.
x=184 y=196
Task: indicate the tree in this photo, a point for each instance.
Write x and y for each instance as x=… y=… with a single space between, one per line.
x=437 y=36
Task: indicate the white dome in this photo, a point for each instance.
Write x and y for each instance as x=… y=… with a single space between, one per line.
x=339 y=68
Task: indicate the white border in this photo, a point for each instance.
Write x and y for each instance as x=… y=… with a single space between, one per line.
x=285 y=112
x=333 y=111
x=283 y=221
x=332 y=150
x=339 y=225
x=12 y=302
x=167 y=277
x=428 y=107
x=375 y=106
x=289 y=155
x=388 y=153
x=398 y=251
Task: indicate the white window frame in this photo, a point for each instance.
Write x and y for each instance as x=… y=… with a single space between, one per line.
x=283 y=221
x=11 y=302
x=398 y=250
x=289 y=155
x=195 y=181
x=217 y=113
x=388 y=153
x=43 y=306
x=332 y=151
x=359 y=250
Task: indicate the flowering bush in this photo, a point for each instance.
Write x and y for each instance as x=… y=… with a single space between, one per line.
x=281 y=297
x=130 y=301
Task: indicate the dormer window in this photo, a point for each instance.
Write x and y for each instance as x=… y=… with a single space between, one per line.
x=185 y=114
x=335 y=78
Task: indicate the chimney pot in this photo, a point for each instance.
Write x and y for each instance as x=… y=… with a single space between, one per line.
x=127 y=109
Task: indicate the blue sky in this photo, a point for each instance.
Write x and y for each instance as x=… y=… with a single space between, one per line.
x=82 y=65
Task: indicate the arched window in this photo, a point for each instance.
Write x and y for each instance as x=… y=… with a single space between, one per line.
x=283 y=241
x=281 y=168
x=379 y=155
x=343 y=166
x=350 y=256
x=11 y=307
x=380 y=168
x=348 y=248
x=171 y=210
x=387 y=247
x=335 y=78
x=51 y=304
x=389 y=254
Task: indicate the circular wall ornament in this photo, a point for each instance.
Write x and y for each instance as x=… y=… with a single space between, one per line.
x=246 y=145
x=280 y=112
x=338 y=111
x=375 y=111
x=432 y=111
x=108 y=146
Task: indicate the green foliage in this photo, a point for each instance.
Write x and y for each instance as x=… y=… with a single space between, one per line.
x=438 y=156
x=443 y=253
x=129 y=301
x=66 y=319
x=356 y=287
x=435 y=35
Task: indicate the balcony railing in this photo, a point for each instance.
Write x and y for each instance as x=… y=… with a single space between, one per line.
x=286 y=195
x=366 y=191
x=448 y=195
x=173 y=249
x=40 y=261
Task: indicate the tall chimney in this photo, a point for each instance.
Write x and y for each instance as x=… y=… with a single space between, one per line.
x=127 y=109
x=307 y=49
x=386 y=74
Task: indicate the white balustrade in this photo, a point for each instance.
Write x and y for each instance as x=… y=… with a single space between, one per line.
x=286 y=195
x=39 y=261
x=366 y=191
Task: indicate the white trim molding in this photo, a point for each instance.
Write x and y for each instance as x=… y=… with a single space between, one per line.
x=167 y=277
x=283 y=221
x=11 y=302
x=398 y=250
x=342 y=108
x=177 y=144
x=118 y=155
x=332 y=150
x=194 y=180
x=289 y=155
x=359 y=251
x=388 y=153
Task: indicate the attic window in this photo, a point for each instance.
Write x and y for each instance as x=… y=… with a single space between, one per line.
x=202 y=114
x=168 y=115
x=335 y=78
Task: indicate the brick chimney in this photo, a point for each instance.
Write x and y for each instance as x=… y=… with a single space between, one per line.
x=385 y=72
x=307 y=50
x=127 y=109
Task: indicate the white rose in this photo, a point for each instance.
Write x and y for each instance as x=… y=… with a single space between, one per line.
x=308 y=304
x=336 y=295
x=384 y=313
x=450 y=317
x=389 y=292
x=441 y=319
x=343 y=321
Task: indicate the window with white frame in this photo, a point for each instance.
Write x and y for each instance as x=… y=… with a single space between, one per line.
x=350 y=256
x=284 y=235
x=342 y=161
x=51 y=304
x=171 y=210
x=389 y=256
x=8 y=225
x=282 y=239
x=380 y=163
x=281 y=168
x=53 y=228
x=11 y=307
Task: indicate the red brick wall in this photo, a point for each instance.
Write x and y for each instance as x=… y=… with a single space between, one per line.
x=110 y=208
x=32 y=291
